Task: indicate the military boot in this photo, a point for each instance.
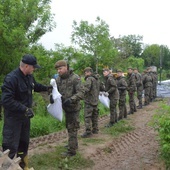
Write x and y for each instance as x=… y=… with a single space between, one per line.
x=94 y=131
x=139 y=107
x=66 y=146
x=110 y=124
x=130 y=112
x=86 y=135
x=68 y=154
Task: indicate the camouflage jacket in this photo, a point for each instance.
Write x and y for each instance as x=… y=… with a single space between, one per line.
x=91 y=87
x=121 y=85
x=131 y=83
x=147 y=80
x=111 y=87
x=69 y=86
x=138 y=79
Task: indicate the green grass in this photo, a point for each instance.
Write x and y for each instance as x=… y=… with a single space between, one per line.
x=54 y=161
x=119 y=128
x=94 y=141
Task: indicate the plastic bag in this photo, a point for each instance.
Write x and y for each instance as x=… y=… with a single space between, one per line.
x=104 y=100
x=55 y=109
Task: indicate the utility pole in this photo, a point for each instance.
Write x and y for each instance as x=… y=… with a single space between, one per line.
x=160 y=62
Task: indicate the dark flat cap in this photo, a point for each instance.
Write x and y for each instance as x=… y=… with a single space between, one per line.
x=30 y=60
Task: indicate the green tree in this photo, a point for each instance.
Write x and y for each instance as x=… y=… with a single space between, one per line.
x=151 y=55
x=94 y=40
x=22 y=23
x=130 y=45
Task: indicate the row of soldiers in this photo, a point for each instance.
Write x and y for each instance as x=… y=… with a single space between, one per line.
x=116 y=89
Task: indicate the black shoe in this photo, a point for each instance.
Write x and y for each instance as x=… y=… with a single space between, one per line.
x=67 y=154
x=130 y=112
x=139 y=107
x=95 y=131
x=119 y=118
x=109 y=125
x=66 y=146
x=86 y=135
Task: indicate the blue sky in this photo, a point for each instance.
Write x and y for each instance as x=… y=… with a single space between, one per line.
x=149 y=18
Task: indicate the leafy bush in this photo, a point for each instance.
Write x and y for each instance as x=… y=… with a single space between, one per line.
x=161 y=122
x=43 y=125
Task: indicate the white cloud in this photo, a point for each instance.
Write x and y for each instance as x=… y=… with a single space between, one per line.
x=149 y=18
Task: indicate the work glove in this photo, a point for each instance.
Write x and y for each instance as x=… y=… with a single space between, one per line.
x=29 y=113
x=49 y=89
x=51 y=99
x=106 y=94
x=67 y=102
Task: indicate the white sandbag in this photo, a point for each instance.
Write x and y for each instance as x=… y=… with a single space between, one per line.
x=55 y=109
x=104 y=100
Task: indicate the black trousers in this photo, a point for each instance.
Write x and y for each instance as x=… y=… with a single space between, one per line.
x=16 y=134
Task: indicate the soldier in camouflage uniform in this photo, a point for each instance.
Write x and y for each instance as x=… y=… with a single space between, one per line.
x=139 y=85
x=0 y=109
x=122 y=86
x=131 y=90
x=91 y=97
x=147 y=85
x=69 y=85
x=149 y=70
x=112 y=92
x=155 y=82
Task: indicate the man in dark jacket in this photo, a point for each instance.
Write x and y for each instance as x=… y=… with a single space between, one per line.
x=69 y=85
x=91 y=98
x=17 y=102
x=112 y=92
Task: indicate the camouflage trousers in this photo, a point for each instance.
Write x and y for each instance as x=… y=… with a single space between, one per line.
x=122 y=107
x=72 y=125
x=139 y=95
x=113 y=110
x=91 y=114
x=146 y=94
x=151 y=94
x=154 y=90
x=132 y=103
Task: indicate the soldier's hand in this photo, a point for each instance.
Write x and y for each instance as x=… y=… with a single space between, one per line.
x=29 y=113
x=67 y=102
x=106 y=94
x=49 y=89
x=51 y=99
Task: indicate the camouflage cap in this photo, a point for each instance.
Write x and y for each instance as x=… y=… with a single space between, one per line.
x=148 y=68
x=129 y=68
x=60 y=63
x=119 y=70
x=135 y=68
x=88 y=69
x=106 y=69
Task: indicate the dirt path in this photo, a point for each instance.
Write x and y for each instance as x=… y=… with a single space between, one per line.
x=136 y=150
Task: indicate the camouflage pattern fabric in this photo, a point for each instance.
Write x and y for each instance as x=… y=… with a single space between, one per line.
x=91 y=97
x=111 y=88
x=122 y=86
x=131 y=91
x=69 y=85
